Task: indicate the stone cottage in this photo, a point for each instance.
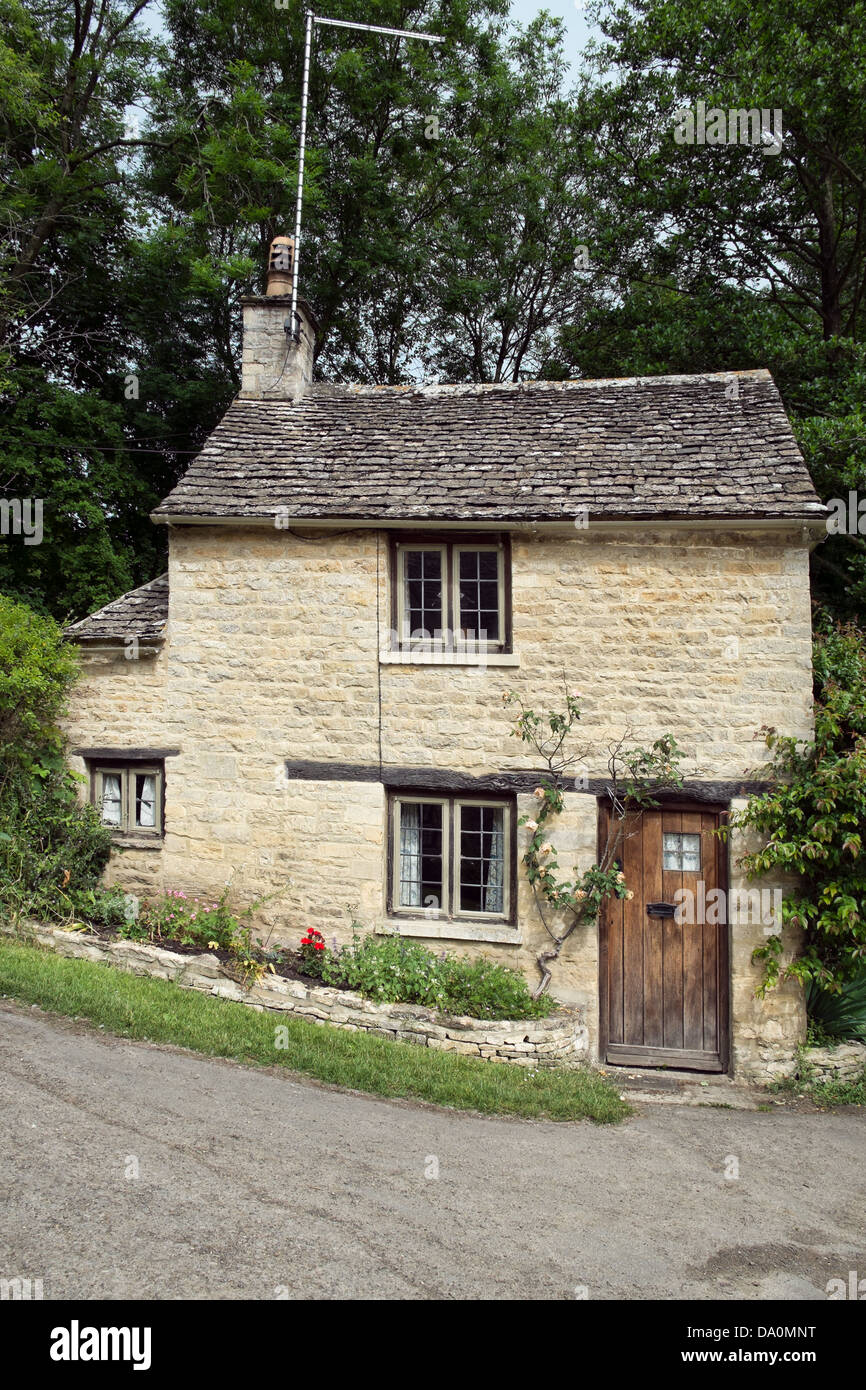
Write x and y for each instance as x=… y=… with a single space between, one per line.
x=310 y=701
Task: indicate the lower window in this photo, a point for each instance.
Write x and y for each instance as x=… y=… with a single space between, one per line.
x=452 y=857
x=128 y=797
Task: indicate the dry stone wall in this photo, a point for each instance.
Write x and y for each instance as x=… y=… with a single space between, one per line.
x=559 y=1039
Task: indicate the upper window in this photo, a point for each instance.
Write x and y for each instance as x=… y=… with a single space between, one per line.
x=452 y=857
x=451 y=594
x=129 y=797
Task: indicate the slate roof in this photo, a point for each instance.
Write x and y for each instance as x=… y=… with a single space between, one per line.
x=142 y=613
x=640 y=447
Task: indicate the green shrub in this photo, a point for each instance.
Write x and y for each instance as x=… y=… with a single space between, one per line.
x=53 y=847
x=101 y=907
x=391 y=969
x=839 y=1013
x=192 y=921
x=37 y=669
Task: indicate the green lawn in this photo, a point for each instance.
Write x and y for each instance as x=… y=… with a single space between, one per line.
x=134 y=1006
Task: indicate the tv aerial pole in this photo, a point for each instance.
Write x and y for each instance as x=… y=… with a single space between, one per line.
x=312 y=19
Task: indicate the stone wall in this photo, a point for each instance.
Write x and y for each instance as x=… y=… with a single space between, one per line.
x=273 y=655
x=766 y=1030
x=121 y=702
x=844 y=1062
x=560 y=1039
x=275 y=365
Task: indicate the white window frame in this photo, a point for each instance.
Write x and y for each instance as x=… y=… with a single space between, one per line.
x=450 y=909
x=449 y=638
x=404 y=635
x=127 y=772
x=498 y=550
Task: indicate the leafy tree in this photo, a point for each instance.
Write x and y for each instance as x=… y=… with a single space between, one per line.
x=787 y=222
x=510 y=258
x=67 y=221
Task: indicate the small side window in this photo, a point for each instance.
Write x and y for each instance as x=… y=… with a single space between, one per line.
x=129 y=798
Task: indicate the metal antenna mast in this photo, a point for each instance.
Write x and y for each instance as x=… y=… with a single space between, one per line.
x=305 y=90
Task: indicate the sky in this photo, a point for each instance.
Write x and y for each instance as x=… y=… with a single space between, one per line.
x=572 y=11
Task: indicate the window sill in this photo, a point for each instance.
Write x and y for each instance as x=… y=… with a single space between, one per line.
x=448 y=658
x=498 y=932
x=136 y=842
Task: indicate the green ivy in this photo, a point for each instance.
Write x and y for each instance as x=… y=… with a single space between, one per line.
x=813 y=820
x=53 y=848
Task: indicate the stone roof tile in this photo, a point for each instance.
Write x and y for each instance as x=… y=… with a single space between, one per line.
x=142 y=613
x=654 y=447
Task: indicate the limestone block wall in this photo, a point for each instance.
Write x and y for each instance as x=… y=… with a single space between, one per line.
x=120 y=702
x=275 y=365
x=276 y=639
x=765 y=1030
x=273 y=655
x=846 y=1061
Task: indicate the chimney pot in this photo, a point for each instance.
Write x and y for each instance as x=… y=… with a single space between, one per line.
x=281 y=264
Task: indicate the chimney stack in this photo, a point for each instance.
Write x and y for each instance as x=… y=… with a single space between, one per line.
x=277 y=362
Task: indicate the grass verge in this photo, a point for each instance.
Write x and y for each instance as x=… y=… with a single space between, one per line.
x=134 y=1006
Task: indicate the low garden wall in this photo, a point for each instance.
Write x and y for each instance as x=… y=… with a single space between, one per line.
x=844 y=1062
x=561 y=1039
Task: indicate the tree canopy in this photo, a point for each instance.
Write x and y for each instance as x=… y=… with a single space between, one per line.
x=474 y=211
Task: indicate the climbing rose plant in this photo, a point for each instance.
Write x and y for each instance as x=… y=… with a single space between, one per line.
x=635 y=775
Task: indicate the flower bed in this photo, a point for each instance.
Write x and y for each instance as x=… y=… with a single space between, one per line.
x=560 y=1039
x=385 y=968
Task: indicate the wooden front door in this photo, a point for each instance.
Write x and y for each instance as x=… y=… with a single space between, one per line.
x=663 y=982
